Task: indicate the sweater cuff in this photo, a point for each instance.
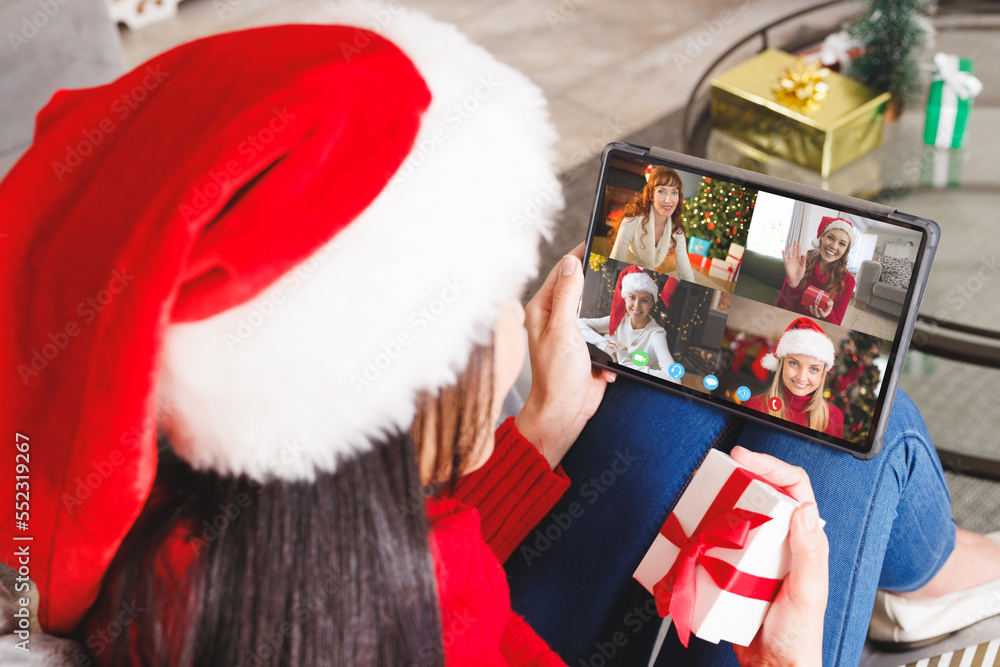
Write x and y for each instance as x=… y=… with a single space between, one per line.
x=513 y=491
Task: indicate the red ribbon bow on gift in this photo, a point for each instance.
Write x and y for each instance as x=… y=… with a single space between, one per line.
x=722 y=526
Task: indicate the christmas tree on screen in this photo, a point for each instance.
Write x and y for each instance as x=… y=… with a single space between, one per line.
x=854 y=383
x=719 y=212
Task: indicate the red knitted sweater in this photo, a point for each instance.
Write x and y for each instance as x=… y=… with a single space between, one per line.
x=486 y=516
x=796 y=411
x=790 y=298
x=512 y=492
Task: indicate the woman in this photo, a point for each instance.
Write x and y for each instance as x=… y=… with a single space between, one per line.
x=801 y=361
x=651 y=226
x=824 y=268
x=289 y=522
x=637 y=341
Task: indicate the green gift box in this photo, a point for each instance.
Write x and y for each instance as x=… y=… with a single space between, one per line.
x=941 y=168
x=950 y=101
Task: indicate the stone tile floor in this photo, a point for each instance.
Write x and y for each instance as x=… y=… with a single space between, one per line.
x=607 y=68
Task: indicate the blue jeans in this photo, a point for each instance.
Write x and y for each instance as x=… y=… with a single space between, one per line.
x=888 y=522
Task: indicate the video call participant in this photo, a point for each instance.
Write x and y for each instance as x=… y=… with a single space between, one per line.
x=630 y=327
x=802 y=359
x=651 y=225
x=824 y=267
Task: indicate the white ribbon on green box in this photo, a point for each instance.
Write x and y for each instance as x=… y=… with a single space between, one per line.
x=941 y=168
x=950 y=101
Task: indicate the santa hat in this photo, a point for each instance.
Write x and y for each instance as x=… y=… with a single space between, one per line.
x=827 y=223
x=196 y=251
x=636 y=279
x=803 y=336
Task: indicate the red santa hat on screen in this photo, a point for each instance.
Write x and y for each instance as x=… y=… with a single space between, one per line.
x=803 y=336
x=196 y=271
x=827 y=223
x=636 y=279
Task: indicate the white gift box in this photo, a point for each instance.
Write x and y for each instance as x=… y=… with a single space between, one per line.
x=722 y=485
x=727 y=269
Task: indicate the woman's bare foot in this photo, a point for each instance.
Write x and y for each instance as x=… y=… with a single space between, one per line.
x=975 y=561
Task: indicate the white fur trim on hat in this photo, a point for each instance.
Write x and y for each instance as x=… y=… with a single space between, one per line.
x=769 y=361
x=835 y=224
x=801 y=341
x=312 y=370
x=639 y=282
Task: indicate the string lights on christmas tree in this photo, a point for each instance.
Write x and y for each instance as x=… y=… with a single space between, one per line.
x=719 y=212
x=853 y=387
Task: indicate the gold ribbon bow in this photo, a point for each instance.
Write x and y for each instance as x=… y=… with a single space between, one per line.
x=801 y=84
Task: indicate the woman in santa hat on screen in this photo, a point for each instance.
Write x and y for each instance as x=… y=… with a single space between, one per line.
x=651 y=226
x=235 y=460
x=801 y=362
x=824 y=268
x=630 y=327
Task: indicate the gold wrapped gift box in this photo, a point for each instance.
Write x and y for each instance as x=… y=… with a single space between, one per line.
x=822 y=136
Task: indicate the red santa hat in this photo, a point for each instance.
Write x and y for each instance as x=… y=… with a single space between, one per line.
x=186 y=251
x=636 y=279
x=803 y=336
x=827 y=223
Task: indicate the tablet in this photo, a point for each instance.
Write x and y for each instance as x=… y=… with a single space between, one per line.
x=781 y=302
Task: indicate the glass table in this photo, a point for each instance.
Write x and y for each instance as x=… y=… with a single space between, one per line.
x=953 y=366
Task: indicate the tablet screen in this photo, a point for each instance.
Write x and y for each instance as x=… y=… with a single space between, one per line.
x=783 y=309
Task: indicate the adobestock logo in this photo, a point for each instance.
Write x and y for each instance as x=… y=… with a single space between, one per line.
x=432 y=137
x=267 y=303
x=420 y=321
x=122 y=108
x=559 y=523
x=101 y=640
x=60 y=339
x=542 y=202
x=220 y=180
x=31 y=27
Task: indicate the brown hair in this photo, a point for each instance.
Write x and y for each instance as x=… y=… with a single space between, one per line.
x=453 y=420
x=819 y=412
x=835 y=276
x=642 y=203
x=346 y=555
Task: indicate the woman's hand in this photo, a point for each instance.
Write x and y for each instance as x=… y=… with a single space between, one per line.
x=792 y=633
x=565 y=389
x=613 y=347
x=821 y=313
x=795 y=264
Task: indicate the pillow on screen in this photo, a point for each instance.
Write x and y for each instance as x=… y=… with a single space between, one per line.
x=895 y=271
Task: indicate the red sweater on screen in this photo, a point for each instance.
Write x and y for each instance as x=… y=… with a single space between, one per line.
x=791 y=298
x=795 y=411
x=488 y=513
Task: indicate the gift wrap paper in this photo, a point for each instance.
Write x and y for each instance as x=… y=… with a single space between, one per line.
x=941 y=168
x=862 y=178
x=718 y=614
x=947 y=113
x=822 y=137
x=814 y=296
